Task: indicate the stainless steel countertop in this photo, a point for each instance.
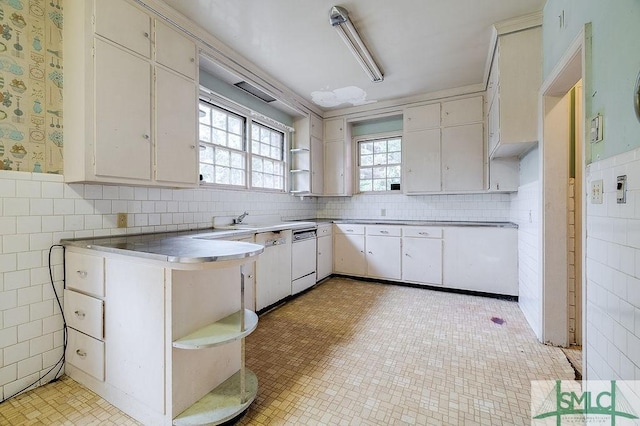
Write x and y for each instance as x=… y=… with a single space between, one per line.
x=210 y=245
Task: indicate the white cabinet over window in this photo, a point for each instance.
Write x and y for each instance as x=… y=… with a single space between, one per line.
x=131 y=112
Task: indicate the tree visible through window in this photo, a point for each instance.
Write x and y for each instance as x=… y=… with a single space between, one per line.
x=380 y=162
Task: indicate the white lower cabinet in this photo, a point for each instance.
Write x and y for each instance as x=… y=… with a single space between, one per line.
x=383 y=252
x=325 y=257
x=422 y=255
x=172 y=352
x=348 y=249
x=273 y=268
x=483 y=259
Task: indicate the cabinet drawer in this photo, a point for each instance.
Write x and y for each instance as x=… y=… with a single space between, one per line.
x=349 y=228
x=84 y=313
x=86 y=353
x=384 y=230
x=422 y=232
x=85 y=273
x=324 y=230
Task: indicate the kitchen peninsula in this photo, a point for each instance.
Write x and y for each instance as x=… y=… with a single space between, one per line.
x=157 y=321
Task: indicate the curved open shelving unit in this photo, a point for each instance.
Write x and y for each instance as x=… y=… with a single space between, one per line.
x=221 y=404
x=220 y=332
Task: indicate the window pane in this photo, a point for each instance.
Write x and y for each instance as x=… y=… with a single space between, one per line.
x=268 y=166
x=206 y=170
x=235 y=142
x=256 y=164
x=222 y=175
x=379 y=172
x=366 y=174
x=275 y=153
x=235 y=125
x=206 y=155
x=265 y=136
x=237 y=177
x=380 y=146
x=237 y=160
x=219 y=137
x=257 y=179
x=222 y=157
x=394 y=145
x=379 y=184
x=366 y=160
x=205 y=133
x=380 y=158
x=205 y=115
x=219 y=119
x=366 y=148
x=394 y=158
x=366 y=185
x=393 y=171
x=268 y=181
x=265 y=150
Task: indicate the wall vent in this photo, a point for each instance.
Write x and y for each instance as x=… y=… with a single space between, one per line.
x=255 y=91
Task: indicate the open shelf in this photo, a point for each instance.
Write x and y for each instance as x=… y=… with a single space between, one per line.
x=299 y=171
x=220 y=332
x=296 y=150
x=221 y=404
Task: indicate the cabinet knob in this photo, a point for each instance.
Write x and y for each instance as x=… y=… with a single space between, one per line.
x=319 y=253
x=80 y=314
x=145 y=136
x=193 y=146
x=192 y=59
x=407 y=254
x=81 y=353
x=370 y=252
x=249 y=276
x=145 y=34
x=83 y=274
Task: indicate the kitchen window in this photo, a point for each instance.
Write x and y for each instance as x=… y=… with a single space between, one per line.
x=379 y=164
x=222 y=146
x=238 y=151
x=267 y=158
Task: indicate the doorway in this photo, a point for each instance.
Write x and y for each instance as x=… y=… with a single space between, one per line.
x=563 y=151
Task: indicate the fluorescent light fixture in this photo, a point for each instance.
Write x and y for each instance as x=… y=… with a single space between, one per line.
x=339 y=19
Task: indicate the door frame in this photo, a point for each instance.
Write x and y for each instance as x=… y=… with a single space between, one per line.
x=572 y=66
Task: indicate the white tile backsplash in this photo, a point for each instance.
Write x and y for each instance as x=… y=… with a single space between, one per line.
x=39 y=209
x=613 y=273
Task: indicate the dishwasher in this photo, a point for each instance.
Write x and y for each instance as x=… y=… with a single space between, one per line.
x=273 y=268
x=303 y=259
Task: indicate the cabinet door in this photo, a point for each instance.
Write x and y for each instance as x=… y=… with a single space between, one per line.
x=176 y=139
x=348 y=251
x=123 y=24
x=316 y=127
x=493 y=122
x=422 y=260
x=334 y=168
x=317 y=166
x=175 y=51
x=334 y=129
x=325 y=257
x=421 y=161
x=462 y=111
x=421 y=117
x=383 y=257
x=463 y=158
x=504 y=174
x=123 y=108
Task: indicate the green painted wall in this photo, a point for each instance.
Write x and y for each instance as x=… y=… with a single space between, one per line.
x=615 y=63
x=381 y=125
x=243 y=98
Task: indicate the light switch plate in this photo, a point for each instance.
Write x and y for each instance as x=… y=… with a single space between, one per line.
x=596 y=192
x=621 y=189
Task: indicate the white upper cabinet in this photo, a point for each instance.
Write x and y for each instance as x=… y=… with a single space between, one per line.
x=124 y=24
x=512 y=94
x=131 y=113
x=337 y=158
x=421 y=117
x=307 y=157
x=175 y=50
x=443 y=147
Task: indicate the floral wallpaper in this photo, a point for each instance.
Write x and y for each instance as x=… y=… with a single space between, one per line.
x=31 y=78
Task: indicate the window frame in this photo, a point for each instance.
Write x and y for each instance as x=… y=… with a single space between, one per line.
x=372 y=138
x=250 y=117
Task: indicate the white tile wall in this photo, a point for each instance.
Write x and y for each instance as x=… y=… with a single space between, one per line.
x=459 y=207
x=612 y=349
x=39 y=209
x=525 y=211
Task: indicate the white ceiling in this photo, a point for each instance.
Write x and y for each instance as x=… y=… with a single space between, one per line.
x=422 y=46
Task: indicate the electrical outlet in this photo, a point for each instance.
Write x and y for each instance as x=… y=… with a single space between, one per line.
x=122 y=220
x=383 y=212
x=596 y=192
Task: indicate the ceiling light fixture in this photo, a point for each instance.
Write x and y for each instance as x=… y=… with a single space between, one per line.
x=339 y=19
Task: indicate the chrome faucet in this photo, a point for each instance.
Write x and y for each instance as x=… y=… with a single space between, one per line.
x=240 y=218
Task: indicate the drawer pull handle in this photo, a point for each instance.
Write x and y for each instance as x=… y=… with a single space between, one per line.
x=349 y=230
x=80 y=314
x=423 y=233
x=370 y=252
x=83 y=274
x=384 y=232
x=81 y=353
